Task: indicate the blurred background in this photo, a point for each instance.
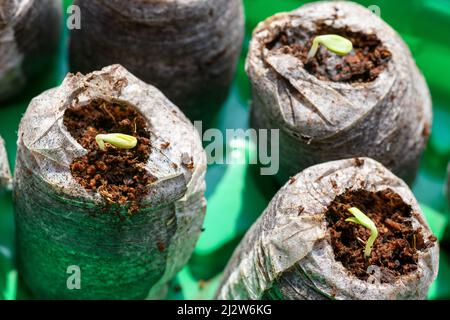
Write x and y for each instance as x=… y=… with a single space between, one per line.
x=236 y=196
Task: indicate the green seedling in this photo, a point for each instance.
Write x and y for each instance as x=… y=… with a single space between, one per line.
x=119 y=140
x=333 y=43
x=360 y=218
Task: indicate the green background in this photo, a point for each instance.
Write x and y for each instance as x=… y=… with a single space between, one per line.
x=236 y=196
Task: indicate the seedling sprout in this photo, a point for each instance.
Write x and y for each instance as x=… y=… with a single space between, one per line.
x=360 y=218
x=333 y=43
x=119 y=140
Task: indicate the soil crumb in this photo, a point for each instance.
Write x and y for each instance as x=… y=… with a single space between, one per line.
x=395 y=251
x=364 y=64
x=118 y=175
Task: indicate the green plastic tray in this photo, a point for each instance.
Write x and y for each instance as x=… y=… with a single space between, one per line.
x=236 y=196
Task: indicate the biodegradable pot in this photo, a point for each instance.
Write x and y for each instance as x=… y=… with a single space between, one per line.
x=5 y=172
x=187 y=48
x=29 y=36
x=288 y=254
x=387 y=118
x=60 y=224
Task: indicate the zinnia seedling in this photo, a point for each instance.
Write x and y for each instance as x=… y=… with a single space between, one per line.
x=361 y=219
x=332 y=42
x=119 y=140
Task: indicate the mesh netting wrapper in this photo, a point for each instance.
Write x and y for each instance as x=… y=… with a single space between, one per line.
x=61 y=225
x=29 y=34
x=5 y=173
x=187 y=48
x=383 y=112
x=287 y=253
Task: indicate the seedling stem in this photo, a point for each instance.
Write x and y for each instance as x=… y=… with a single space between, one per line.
x=360 y=218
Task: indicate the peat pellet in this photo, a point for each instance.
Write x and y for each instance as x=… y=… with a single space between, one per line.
x=29 y=34
x=5 y=172
x=371 y=102
x=304 y=247
x=186 y=48
x=111 y=221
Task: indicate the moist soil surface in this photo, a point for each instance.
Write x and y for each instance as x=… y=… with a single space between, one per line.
x=364 y=64
x=396 y=248
x=118 y=175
